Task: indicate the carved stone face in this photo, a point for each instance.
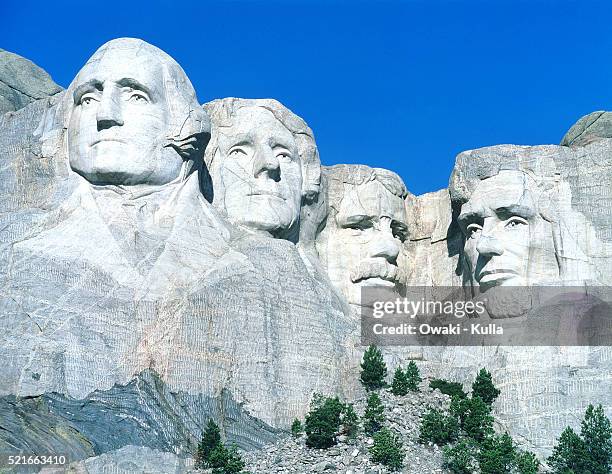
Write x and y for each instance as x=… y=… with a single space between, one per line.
x=364 y=244
x=507 y=242
x=258 y=177
x=119 y=121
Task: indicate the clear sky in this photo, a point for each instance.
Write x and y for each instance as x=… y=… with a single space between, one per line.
x=404 y=85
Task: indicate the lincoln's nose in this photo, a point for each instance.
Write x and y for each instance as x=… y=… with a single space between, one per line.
x=489 y=246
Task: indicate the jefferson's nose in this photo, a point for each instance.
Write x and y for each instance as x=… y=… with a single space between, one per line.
x=266 y=162
x=109 y=111
x=385 y=246
x=489 y=246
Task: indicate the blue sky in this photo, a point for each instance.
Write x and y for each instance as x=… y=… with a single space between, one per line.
x=404 y=85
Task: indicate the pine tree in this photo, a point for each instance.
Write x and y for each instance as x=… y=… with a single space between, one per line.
x=596 y=434
x=225 y=460
x=296 y=428
x=323 y=421
x=399 y=386
x=211 y=438
x=373 y=369
x=497 y=455
x=527 y=462
x=474 y=417
x=387 y=450
x=483 y=387
x=374 y=414
x=438 y=428
x=413 y=377
x=569 y=454
x=350 y=421
x=461 y=458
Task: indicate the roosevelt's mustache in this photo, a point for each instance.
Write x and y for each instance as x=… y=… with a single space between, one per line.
x=375 y=268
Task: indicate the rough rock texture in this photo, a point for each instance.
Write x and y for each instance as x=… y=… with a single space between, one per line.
x=22 y=82
x=588 y=128
x=128 y=298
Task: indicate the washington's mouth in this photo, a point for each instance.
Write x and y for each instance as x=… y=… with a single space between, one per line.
x=375 y=270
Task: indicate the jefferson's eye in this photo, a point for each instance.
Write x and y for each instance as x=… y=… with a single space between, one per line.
x=515 y=221
x=138 y=98
x=360 y=225
x=472 y=229
x=237 y=152
x=400 y=232
x=285 y=155
x=88 y=99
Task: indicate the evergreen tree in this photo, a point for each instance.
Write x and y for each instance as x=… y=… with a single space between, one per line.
x=474 y=417
x=438 y=428
x=211 y=438
x=323 y=421
x=413 y=377
x=387 y=450
x=460 y=458
x=452 y=389
x=399 y=386
x=374 y=414
x=497 y=455
x=373 y=369
x=296 y=428
x=527 y=462
x=225 y=461
x=483 y=387
x=350 y=421
x=569 y=454
x=596 y=434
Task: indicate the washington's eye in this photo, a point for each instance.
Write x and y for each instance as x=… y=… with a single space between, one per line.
x=361 y=224
x=472 y=229
x=88 y=99
x=237 y=152
x=515 y=221
x=139 y=98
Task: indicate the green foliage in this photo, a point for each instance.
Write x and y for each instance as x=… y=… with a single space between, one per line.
x=323 y=421
x=211 y=438
x=569 y=454
x=438 y=428
x=350 y=421
x=413 y=376
x=497 y=455
x=474 y=417
x=373 y=369
x=452 y=389
x=596 y=434
x=374 y=414
x=296 y=428
x=399 y=386
x=483 y=387
x=461 y=458
x=590 y=452
x=526 y=462
x=387 y=450
x=225 y=461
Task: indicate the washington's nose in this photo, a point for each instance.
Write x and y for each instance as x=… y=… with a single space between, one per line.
x=489 y=246
x=266 y=162
x=109 y=112
x=385 y=246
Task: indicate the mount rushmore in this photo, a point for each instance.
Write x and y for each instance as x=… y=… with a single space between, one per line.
x=164 y=262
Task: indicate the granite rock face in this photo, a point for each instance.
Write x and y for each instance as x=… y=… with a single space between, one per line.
x=589 y=128
x=163 y=263
x=22 y=82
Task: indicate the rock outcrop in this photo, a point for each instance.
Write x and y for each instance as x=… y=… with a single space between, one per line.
x=163 y=263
